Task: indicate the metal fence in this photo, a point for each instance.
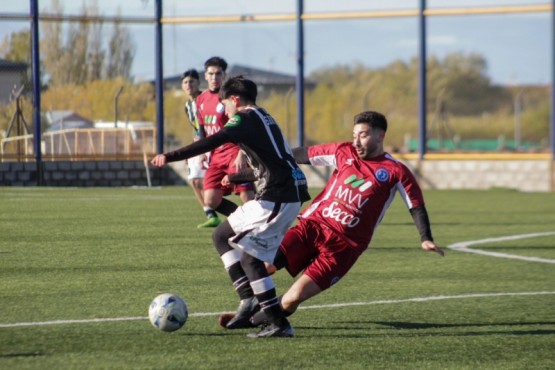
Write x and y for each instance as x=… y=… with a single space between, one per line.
x=181 y=28
x=83 y=144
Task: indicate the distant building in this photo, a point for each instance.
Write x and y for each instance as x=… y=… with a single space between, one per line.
x=64 y=119
x=12 y=75
x=267 y=81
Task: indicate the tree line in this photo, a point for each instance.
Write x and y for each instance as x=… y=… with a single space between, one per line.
x=74 y=53
x=83 y=74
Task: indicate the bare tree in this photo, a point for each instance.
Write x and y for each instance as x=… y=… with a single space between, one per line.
x=80 y=57
x=121 y=52
x=96 y=53
x=52 y=46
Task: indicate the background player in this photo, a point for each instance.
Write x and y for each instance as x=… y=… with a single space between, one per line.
x=225 y=159
x=190 y=81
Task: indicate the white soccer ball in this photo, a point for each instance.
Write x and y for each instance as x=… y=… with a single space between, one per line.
x=168 y=312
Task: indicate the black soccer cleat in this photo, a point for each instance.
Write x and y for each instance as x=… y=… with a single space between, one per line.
x=284 y=330
x=259 y=319
x=246 y=309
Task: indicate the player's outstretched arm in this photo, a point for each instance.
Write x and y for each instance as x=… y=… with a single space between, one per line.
x=429 y=245
x=159 y=161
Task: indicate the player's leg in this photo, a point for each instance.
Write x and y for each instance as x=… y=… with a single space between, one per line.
x=231 y=259
x=211 y=196
x=301 y=290
x=196 y=185
x=260 y=226
x=196 y=174
x=214 y=193
x=264 y=289
x=323 y=257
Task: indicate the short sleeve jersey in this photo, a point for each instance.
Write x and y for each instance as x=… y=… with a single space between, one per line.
x=359 y=191
x=269 y=155
x=211 y=115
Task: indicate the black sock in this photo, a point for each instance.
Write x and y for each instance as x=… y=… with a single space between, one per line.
x=269 y=304
x=210 y=213
x=240 y=281
x=226 y=207
x=260 y=317
x=234 y=269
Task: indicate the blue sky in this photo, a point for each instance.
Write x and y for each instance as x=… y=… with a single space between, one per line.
x=517 y=47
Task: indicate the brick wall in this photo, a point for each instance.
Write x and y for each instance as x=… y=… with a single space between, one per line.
x=87 y=174
x=439 y=173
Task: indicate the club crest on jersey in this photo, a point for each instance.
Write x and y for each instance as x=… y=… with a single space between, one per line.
x=220 y=108
x=349 y=161
x=382 y=175
x=234 y=121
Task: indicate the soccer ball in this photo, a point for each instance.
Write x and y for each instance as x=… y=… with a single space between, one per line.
x=168 y=312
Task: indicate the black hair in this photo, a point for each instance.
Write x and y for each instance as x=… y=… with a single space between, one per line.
x=190 y=73
x=373 y=119
x=216 y=62
x=240 y=86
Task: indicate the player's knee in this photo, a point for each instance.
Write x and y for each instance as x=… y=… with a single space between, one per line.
x=220 y=237
x=197 y=183
x=212 y=202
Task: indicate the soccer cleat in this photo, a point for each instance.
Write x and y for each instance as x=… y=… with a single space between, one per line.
x=246 y=309
x=285 y=330
x=259 y=319
x=211 y=222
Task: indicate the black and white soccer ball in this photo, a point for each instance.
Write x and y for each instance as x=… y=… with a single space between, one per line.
x=168 y=312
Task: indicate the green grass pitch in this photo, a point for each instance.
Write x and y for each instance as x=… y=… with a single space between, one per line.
x=70 y=256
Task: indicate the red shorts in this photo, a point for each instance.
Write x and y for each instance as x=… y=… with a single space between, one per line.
x=319 y=251
x=221 y=164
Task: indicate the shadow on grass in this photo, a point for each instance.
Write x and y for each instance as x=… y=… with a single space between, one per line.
x=16 y=355
x=412 y=329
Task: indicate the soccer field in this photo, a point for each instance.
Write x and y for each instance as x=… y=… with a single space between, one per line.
x=79 y=267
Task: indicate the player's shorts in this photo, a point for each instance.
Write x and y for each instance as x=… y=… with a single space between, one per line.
x=222 y=164
x=260 y=225
x=319 y=251
x=197 y=169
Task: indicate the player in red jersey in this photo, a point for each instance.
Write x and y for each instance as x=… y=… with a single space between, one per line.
x=224 y=160
x=338 y=226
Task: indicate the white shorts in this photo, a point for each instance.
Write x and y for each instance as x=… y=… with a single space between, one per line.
x=197 y=169
x=259 y=230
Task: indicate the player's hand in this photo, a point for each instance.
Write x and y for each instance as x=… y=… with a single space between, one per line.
x=225 y=181
x=159 y=161
x=204 y=161
x=240 y=161
x=429 y=245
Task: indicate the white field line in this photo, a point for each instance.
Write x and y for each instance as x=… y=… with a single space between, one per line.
x=464 y=247
x=335 y=305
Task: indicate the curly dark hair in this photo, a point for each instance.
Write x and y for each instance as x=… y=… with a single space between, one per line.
x=374 y=119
